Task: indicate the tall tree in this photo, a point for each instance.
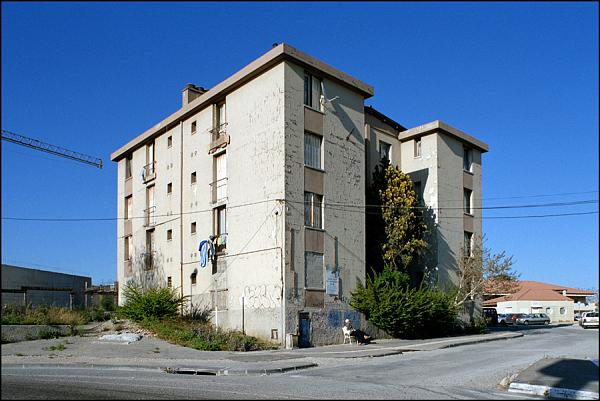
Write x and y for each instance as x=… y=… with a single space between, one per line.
x=403 y=226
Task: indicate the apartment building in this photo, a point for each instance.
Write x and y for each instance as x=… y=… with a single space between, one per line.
x=444 y=164
x=262 y=168
x=249 y=165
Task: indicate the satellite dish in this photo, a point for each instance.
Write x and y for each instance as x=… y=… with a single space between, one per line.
x=324 y=95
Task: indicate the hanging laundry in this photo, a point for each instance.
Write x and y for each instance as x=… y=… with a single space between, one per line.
x=204 y=249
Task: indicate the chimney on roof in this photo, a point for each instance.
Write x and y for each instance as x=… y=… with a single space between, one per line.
x=191 y=92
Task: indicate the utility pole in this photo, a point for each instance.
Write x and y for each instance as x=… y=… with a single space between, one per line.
x=52 y=149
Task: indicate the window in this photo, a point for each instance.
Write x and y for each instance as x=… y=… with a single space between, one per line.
x=193 y=178
x=128 y=207
x=313 y=210
x=127 y=248
x=467 y=200
x=150 y=153
x=128 y=166
x=312 y=91
x=193 y=228
x=193 y=127
x=312 y=150
x=169 y=235
x=562 y=310
x=169 y=141
x=150 y=241
x=193 y=277
x=221 y=228
x=169 y=188
x=417 y=189
x=385 y=150
x=220 y=119
x=219 y=187
x=467 y=244
x=313 y=264
x=417 y=151
x=169 y=282
x=150 y=206
x=467 y=159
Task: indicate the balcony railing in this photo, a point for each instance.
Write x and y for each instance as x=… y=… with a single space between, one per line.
x=149 y=172
x=218 y=190
x=219 y=137
x=148 y=259
x=150 y=216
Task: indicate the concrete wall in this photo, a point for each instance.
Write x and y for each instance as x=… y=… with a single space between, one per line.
x=251 y=265
x=376 y=131
x=344 y=182
x=14 y=277
x=551 y=308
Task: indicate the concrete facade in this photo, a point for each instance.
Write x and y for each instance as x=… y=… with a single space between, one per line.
x=284 y=267
x=258 y=283
x=436 y=168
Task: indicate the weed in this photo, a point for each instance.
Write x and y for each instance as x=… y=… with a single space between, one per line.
x=19 y=354
x=57 y=347
x=156 y=350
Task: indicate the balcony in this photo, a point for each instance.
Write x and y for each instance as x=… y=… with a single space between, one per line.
x=150 y=216
x=149 y=172
x=221 y=242
x=218 y=190
x=148 y=259
x=219 y=138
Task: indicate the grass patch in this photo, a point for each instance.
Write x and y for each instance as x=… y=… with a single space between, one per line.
x=57 y=347
x=203 y=336
x=42 y=314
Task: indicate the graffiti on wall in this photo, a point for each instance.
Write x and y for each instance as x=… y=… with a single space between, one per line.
x=266 y=296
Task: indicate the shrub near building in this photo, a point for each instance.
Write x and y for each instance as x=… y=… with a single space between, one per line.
x=388 y=301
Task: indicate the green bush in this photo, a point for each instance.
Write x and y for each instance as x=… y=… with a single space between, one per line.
x=203 y=336
x=392 y=305
x=151 y=303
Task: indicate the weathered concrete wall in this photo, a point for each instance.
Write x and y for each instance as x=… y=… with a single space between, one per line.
x=14 y=277
x=376 y=131
x=343 y=165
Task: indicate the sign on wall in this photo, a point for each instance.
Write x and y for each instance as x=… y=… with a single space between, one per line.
x=333 y=281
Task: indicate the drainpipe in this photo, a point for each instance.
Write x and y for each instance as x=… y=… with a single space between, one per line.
x=282 y=254
x=181 y=212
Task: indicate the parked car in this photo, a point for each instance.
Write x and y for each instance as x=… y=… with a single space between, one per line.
x=589 y=319
x=502 y=318
x=512 y=317
x=533 y=318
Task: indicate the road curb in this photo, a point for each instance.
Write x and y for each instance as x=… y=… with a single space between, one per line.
x=237 y=372
x=554 y=392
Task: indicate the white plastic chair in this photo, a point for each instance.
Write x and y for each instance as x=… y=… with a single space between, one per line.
x=347 y=335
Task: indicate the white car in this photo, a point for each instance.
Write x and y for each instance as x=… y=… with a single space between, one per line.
x=589 y=319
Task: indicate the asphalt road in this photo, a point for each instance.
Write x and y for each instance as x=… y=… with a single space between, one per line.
x=463 y=372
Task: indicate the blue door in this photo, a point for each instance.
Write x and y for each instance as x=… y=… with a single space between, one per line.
x=304 y=334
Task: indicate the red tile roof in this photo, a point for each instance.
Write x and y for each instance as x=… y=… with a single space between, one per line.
x=537 y=285
x=529 y=294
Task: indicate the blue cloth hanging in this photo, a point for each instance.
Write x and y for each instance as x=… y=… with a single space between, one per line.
x=204 y=250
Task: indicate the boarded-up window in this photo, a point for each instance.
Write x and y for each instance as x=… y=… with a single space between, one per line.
x=313 y=263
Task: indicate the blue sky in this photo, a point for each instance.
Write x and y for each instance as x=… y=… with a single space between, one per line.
x=522 y=77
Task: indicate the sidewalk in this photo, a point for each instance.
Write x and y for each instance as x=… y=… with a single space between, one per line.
x=559 y=378
x=153 y=353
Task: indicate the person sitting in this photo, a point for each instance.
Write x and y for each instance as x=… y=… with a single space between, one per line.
x=359 y=335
